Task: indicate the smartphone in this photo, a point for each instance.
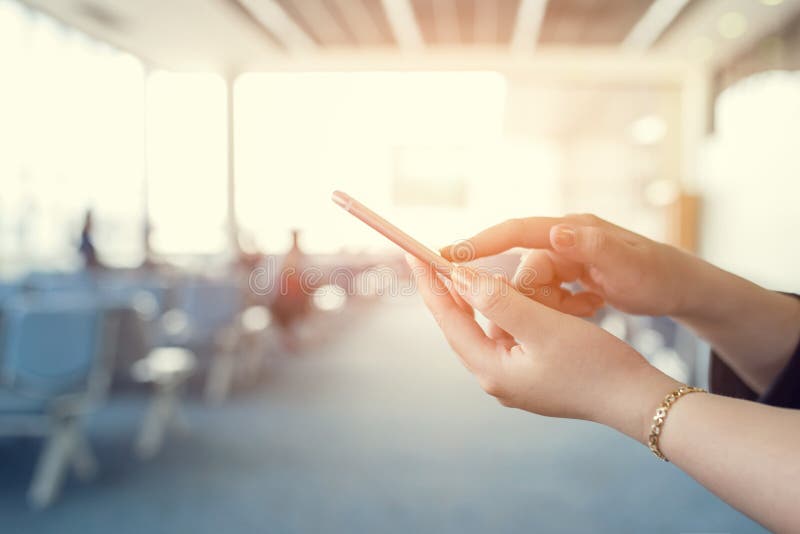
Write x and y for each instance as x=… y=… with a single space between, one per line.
x=391 y=232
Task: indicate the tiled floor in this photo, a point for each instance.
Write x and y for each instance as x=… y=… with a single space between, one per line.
x=378 y=430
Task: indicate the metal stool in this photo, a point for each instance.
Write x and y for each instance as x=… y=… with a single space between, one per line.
x=167 y=368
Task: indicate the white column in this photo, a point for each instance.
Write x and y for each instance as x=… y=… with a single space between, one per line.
x=695 y=124
x=233 y=225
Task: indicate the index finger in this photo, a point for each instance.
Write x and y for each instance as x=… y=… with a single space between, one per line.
x=460 y=329
x=531 y=232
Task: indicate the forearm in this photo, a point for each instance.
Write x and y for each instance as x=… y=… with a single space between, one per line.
x=754 y=330
x=746 y=453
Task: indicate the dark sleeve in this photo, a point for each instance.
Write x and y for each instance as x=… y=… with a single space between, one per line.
x=783 y=392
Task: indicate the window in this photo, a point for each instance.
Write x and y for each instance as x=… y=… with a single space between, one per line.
x=388 y=138
x=187 y=163
x=72 y=140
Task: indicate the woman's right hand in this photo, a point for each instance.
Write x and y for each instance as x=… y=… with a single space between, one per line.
x=631 y=272
x=539 y=359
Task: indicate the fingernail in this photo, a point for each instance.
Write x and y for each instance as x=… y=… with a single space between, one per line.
x=564 y=236
x=462 y=280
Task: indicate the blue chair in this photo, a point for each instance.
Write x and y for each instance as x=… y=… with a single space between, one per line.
x=208 y=314
x=54 y=368
x=60 y=280
x=210 y=307
x=138 y=302
x=148 y=294
x=8 y=290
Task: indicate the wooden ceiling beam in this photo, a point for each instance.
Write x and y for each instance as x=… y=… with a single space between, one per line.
x=485 y=22
x=445 y=22
x=530 y=16
x=279 y=23
x=403 y=22
x=359 y=21
x=322 y=22
x=653 y=24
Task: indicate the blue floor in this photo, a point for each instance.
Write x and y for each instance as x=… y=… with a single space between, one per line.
x=380 y=430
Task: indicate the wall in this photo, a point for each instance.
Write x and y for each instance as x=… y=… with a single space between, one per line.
x=751 y=181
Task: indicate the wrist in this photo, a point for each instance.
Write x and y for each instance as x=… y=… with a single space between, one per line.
x=708 y=293
x=633 y=397
x=739 y=319
x=660 y=417
x=696 y=283
x=645 y=400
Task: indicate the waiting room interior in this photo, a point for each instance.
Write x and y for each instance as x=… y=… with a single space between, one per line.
x=162 y=165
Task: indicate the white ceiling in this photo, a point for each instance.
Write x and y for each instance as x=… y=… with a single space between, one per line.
x=177 y=34
x=699 y=24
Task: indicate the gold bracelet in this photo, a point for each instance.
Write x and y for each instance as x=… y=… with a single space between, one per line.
x=661 y=416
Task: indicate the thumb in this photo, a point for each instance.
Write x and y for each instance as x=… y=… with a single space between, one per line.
x=590 y=244
x=499 y=302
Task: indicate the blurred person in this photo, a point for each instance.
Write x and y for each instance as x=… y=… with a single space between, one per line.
x=536 y=355
x=149 y=260
x=292 y=302
x=86 y=247
x=248 y=255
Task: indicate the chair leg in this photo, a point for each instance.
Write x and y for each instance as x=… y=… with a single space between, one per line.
x=220 y=376
x=255 y=362
x=178 y=419
x=84 y=462
x=155 y=423
x=53 y=463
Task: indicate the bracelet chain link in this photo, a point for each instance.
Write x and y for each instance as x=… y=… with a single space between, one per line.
x=661 y=415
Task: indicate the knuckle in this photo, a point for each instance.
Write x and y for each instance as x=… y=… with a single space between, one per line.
x=515 y=224
x=452 y=344
x=492 y=301
x=597 y=241
x=505 y=401
x=438 y=318
x=492 y=387
x=442 y=321
x=526 y=276
x=452 y=341
x=588 y=219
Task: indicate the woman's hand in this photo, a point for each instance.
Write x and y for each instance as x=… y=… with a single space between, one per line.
x=629 y=271
x=754 y=330
x=539 y=359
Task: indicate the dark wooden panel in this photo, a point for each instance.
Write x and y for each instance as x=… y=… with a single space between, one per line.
x=308 y=26
x=590 y=22
x=375 y=9
x=424 y=13
x=507 y=19
x=466 y=20
x=454 y=22
x=449 y=22
x=334 y=13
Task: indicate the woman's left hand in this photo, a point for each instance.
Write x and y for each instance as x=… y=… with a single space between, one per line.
x=542 y=360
